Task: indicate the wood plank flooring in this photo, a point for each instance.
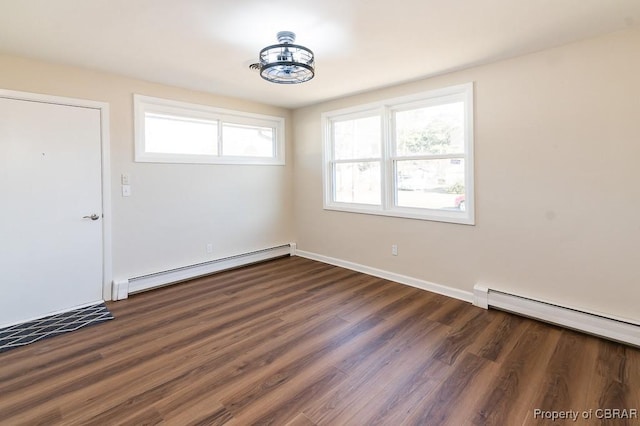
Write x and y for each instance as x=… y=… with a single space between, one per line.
x=300 y=343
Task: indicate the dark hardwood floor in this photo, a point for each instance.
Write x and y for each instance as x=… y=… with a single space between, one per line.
x=297 y=342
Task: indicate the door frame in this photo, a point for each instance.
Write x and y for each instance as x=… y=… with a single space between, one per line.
x=103 y=107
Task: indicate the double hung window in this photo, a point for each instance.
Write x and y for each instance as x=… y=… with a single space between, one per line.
x=409 y=157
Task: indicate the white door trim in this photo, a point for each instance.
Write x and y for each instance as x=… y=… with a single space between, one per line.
x=103 y=107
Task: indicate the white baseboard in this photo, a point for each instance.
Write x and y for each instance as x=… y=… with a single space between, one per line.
x=123 y=287
x=607 y=326
x=391 y=276
x=618 y=329
x=120 y=289
x=613 y=328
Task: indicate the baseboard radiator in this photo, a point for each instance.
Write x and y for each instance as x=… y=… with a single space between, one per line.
x=123 y=287
x=620 y=330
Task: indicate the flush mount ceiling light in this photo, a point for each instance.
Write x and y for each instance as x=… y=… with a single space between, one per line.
x=285 y=62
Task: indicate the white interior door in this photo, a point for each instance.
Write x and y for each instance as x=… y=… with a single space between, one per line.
x=50 y=179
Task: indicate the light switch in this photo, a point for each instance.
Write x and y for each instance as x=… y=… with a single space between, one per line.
x=125 y=178
x=126 y=190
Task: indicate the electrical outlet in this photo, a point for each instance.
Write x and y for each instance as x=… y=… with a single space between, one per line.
x=394 y=250
x=209 y=248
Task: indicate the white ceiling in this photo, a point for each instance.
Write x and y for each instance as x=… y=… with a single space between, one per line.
x=207 y=45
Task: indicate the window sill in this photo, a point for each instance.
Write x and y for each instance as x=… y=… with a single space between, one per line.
x=204 y=159
x=446 y=216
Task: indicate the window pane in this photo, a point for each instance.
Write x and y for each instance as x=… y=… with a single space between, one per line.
x=359 y=138
x=358 y=182
x=247 y=141
x=432 y=130
x=431 y=184
x=177 y=135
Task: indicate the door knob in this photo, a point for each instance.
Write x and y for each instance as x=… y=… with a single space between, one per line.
x=92 y=217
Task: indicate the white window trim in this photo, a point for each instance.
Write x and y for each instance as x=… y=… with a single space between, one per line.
x=147 y=104
x=386 y=107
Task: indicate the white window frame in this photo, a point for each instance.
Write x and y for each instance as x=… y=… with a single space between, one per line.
x=386 y=108
x=147 y=104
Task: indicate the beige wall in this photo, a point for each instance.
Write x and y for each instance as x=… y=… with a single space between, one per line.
x=175 y=209
x=557 y=141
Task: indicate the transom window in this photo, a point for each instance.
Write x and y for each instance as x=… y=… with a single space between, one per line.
x=407 y=157
x=177 y=132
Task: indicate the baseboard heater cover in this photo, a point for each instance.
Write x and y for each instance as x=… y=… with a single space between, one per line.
x=123 y=287
x=620 y=330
